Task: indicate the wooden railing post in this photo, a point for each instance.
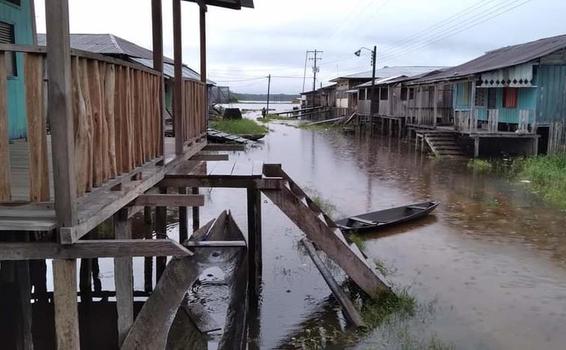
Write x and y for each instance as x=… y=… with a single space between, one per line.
x=63 y=147
x=157 y=30
x=203 y=72
x=178 y=81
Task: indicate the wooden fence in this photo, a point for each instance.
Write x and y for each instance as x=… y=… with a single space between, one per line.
x=117 y=123
x=195 y=110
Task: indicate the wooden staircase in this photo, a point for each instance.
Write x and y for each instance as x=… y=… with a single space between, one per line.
x=322 y=231
x=443 y=144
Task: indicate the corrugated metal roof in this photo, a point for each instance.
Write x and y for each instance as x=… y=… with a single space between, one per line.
x=501 y=58
x=112 y=45
x=404 y=78
x=387 y=72
x=169 y=70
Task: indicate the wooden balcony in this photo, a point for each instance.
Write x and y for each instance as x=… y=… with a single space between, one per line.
x=119 y=148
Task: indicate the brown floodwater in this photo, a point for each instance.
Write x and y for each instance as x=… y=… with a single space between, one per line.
x=487 y=270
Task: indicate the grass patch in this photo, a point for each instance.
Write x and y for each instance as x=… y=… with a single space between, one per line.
x=376 y=311
x=480 y=165
x=327 y=207
x=358 y=240
x=239 y=127
x=547 y=175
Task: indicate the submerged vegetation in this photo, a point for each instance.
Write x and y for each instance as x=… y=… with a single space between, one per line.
x=547 y=176
x=480 y=165
x=239 y=126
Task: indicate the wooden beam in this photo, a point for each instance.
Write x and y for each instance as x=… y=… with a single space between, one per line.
x=60 y=111
x=348 y=307
x=210 y=157
x=169 y=200
x=254 y=239
x=224 y=147
x=93 y=249
x=161 y=233
x=123 y=279
x=215 y=244
x=203 y=72
x=183 y=218
x=178 y=79
x=222 y=181
x=65 y=304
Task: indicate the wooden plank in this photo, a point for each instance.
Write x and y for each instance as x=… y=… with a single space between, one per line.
x=65 y=304
x=157 y=36
x=93 y=249
x=123 y=279
x=347 y=306
x=219 y=147
x=5 y=192
x=223 y=181
x=61 y=121
x=254 y=239
x=215 y=244
x=210 y=157
x=169 y=200
x=324 y=236
x=109 y=114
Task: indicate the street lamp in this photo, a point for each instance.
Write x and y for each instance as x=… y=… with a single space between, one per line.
x=373 y=62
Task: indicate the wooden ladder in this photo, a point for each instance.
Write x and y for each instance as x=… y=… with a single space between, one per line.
x=322 y=231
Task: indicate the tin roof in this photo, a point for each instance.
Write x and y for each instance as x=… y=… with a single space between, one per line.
x=112 y=45
x=393 y=74
x=502 y=58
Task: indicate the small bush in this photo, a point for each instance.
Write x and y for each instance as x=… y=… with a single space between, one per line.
x=547 y=175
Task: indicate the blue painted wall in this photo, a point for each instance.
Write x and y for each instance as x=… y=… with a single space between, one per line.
x=551 y=80
x=21 y=18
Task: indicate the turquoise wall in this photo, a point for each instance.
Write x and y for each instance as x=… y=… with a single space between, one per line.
x=20 y=17
x=526 y=99
x=551 y=81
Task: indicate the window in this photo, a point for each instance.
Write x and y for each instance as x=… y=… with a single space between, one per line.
x=411 y=94
x=491 y=98
x=510 y=97
x=7 y=37
x=383 y=94
x=403 y=94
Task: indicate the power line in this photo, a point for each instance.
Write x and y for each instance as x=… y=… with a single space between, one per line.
x=495 y=11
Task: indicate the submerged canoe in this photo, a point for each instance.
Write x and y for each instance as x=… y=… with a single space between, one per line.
x=385 y=218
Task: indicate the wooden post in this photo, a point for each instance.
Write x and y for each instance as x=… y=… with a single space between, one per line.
x=123 y=279
x=148 y=261
x=157 y=31
x=24 y=294
x=161 y=233
x=65 y=304
x=476 y=147
x=85 y=280
x=435 y=105
x=203 y=72
x=183 y=227
x=196 y=211
x=178 y=80
x=254 y=240
x=60 y=111
x=473 y=121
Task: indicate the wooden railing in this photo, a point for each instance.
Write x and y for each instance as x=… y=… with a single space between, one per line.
x=117 y=124
x=195 y=110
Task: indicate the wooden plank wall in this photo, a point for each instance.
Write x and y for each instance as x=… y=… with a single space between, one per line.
x=117 y=125
x=195 y=109
x=116 y=118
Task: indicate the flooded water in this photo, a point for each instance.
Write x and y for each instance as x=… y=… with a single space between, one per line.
x=488 y=270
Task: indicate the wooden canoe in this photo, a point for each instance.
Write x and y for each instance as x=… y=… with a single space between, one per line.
x=385 y=218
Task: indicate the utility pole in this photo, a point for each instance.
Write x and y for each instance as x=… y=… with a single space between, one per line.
x=315 y=68
x=373 y=62
x=268 y=92
x=305 y=72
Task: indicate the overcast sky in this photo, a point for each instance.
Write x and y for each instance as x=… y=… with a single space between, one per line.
x=245 y=46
